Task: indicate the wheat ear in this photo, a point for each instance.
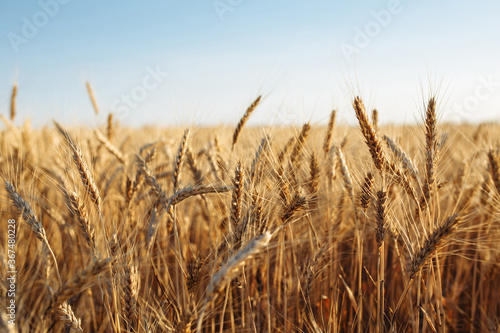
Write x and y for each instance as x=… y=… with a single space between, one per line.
x=92 y=97
x=344 y=171
x=314 y=174
x=13 y=102
x=71 y=322
x=228 y=270
x=84 y=224
x=181 y=152
x=263 y=147
x=370 y=134
x=110 y=130
x=366 y=191
x=402 y=156
x=193 y=166
x=329 y=132
x=244 y=119
x=432 y=244
x=29 y=217
x=81 y=165
x=151 y=179
x=299 y=144
x=375 y=119
x=431 y=146
x=130 y=297
x=494 y=168
x=77 y=284
x=110 y=147
x=237 y=198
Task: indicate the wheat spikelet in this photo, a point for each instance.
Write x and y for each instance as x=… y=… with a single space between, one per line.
x=92 y=97
x=13 y=102
x=243 y=120
x=329 y=132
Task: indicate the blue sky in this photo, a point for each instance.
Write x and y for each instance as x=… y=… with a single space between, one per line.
x=213 y=57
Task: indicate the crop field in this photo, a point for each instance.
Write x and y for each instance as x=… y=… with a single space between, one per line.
x=373 y=228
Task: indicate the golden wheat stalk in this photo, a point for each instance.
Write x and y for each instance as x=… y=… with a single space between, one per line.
x=244 y=119
x=71 y=322
x=80 y=211
x=344 y=170
x=130 y=296
x=402 y=156
x=435 y=241
x=313 y=182
x=265 y=144
x=370 y=135
x=13 y=102
x=29 y=217
x=193 y=166
x=494 y=168
x=77 y=284
x=237 y=198
x=431 y=151
x=109 y=146
x=181 y=152
x=366 y=191
x=375 y=119
x=110 y=130
x=92 y=97
x=228 y=270
x=83 y=170
x=329 y=132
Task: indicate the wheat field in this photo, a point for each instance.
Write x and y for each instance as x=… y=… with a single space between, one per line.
x=374 y=228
